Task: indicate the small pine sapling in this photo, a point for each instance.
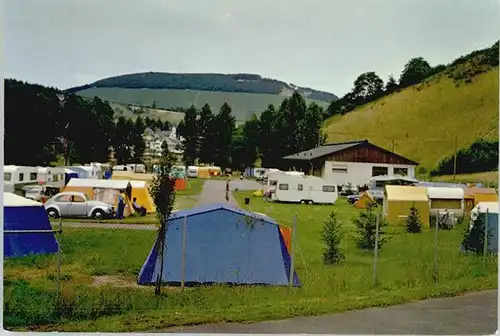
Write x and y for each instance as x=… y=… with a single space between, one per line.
x=366 y=225
x=413 y=221
x=332 y=236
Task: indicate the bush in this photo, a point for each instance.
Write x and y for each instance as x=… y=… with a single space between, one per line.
x=366 y=226
x=473 y=240
x=413 y=221
x=331 y=236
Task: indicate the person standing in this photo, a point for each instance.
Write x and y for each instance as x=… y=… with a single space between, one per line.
x=227 y=190
x=121 y=206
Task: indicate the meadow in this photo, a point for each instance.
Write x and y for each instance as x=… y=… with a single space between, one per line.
x=422 y=122
x=488 y=179
x=243 y=105
x=100 y=267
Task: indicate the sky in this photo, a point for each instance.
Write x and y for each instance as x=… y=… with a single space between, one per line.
x=323 y=44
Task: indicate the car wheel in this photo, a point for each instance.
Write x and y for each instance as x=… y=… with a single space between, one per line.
x=98 y=214
x=52 y=213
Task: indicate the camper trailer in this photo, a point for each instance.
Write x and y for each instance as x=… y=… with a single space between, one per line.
x=192 y=171
x=17 y=177
x=272 y=179
x=303 y=189
x=51 y=177
x=443 y=199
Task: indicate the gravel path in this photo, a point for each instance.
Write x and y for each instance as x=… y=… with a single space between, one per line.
x=214 y=191
x=470 y=314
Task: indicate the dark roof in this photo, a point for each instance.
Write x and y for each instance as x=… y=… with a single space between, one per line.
x=323 y=150
x=329 y=149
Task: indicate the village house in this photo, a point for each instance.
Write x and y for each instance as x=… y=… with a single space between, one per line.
x=353 y=162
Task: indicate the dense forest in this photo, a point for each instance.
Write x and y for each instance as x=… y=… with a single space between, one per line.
x=248 y=83
x=43 y=124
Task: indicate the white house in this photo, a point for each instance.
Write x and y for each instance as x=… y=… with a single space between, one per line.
x=353 y=162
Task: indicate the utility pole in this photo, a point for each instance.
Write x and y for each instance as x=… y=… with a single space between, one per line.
x=392 y=145
x=455 y=160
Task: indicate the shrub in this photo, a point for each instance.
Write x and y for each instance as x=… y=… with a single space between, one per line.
x=366 y=229
x=413 y=222
x=473 y=240
x=331 y=236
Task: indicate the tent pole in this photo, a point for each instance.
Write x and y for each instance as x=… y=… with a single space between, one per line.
x=375 y=252
x=59 y=262
x=292 y=252
x=435 y=272
x=485 y=246
x=183 y=265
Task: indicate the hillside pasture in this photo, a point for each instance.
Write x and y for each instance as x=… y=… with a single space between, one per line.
x=423 y=122
x=100 y=267
x=244 y=105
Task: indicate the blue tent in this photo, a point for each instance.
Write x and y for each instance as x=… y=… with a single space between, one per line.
x=489 y=209
x=224 y=245
x=23 y=214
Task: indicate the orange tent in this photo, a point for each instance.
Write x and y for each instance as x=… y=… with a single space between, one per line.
x=286 y=232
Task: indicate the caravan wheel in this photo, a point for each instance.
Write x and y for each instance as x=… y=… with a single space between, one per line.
x=310 y=202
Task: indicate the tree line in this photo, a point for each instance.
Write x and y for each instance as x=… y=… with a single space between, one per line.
x=215 y=139
x=42 y=124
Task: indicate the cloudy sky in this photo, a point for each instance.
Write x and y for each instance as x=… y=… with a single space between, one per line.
x=324 y=44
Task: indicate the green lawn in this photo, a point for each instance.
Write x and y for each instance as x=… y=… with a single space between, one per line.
x=404 y=274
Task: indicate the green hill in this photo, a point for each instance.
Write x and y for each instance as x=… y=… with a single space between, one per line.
x=427 y=121
x=247 y=94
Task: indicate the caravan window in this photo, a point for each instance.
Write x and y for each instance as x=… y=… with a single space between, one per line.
x=21 y=177
x=283 y=186
x=7 y=176
x=300 y=187
x=32 y=176
x=328 y=188
x=273 y=183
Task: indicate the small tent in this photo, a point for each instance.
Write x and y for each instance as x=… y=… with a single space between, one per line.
x=141 y=192
x=482 y=194
x=223 y=245
x=490 y=210
x=23 y=214
x=364 y=200
x=399 y=199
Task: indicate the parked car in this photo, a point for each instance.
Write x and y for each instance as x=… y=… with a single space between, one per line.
x=77 y=204
x=34 y=192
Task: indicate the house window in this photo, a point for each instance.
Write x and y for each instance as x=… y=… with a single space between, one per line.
x=7 y=176
x=32 y=176
x=339 y=169
x=328 y=188
x=21 y=177
x=283 y=186
x=377 y=171
x=300 y=187
x=401 y=171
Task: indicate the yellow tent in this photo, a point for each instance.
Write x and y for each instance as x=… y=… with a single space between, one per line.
x=481 y=195
x=102 y=190
x=140 y=191
x=399 y=199
x=364 y=200
x=128 y=175
x=204 y=172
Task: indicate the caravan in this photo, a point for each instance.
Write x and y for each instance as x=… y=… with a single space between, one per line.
x=51 y=177
x=15 y=178
x=192 y=171
x=272 y=179
x=303 y=189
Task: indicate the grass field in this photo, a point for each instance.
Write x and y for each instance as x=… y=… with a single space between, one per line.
x=421 y=122
x=124 y=110
x=243 y=105
x=114 y=257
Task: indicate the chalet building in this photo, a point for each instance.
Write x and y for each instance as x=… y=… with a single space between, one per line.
x=353 y=162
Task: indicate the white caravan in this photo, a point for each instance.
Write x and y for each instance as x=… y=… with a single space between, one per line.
x=272 y=179
x=192 y=171
x=304 y=189
x=52 y=177
x=17 y=177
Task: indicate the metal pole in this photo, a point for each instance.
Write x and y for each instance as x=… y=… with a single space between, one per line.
x=183 y=265
x=59 y=261
x=485 y=246
x=455 y=160
x=435 y=272
x=375 y=252
x=292 y=252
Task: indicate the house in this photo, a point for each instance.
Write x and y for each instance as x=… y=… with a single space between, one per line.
x=353 y=162
x=218 y=244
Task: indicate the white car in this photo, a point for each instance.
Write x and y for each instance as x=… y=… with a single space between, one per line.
x=77 y=204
